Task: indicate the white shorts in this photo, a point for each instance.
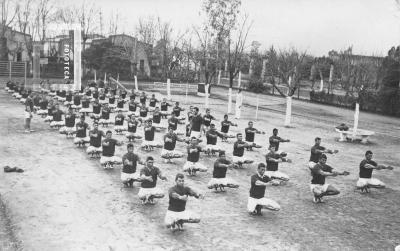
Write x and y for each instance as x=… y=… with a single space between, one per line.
x=57 y=123
x=78 y=140
x=151 y=109
x=221 y=181
x=22 y=100
x=85 y=110
x=42 y=112
x=317 y=189
x=121 y=109
x=171 y=153
x=264 y=202
x=103 y=101
x=93 y=149
x=130 y=176
x=112 y=105
x=194 y=166
x=151 y=143
x=68 y=103
x=215 y=148
x=277 y=174
x=48 y=119
x=195 y=134
x=132 y=134
x=243 y=159
x=76 y=106
x=67 y=130
x=96 y=116
x=120 y=128
x=130 y=113
x=311 y=164
x=146 y=192
x=362 y=182
x=61 y=99
x=106 y=121
x=161 y=125
x=187 y=216
x=112 y=159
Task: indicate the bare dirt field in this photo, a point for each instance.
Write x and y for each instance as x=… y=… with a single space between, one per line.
x=66 y=201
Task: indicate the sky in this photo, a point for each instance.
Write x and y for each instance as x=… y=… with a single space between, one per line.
x=315 y=26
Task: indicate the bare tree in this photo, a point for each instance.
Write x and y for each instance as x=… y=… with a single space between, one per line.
x=146 y=29
x=206 y=59
x=9 y=12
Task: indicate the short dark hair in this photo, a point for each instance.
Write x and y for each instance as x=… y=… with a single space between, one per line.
x=83 y=117
x=260 y=165
x=226 y=115
x=238 y=134
x=129 y=145
x=179 y=176
x=317 y=138
x=221 y=153
x=274 y=130
x=149 y=158
x=323 y=156
x=368 y=152
x=108 y=132
x=196 y=108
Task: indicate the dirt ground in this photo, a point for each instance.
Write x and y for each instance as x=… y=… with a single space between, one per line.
x=66 y=201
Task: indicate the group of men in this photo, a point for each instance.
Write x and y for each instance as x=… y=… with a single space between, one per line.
x=157 y=118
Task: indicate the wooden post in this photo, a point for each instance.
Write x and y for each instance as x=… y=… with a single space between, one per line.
x=10 y=70
x=257 y=108
x=25 y=75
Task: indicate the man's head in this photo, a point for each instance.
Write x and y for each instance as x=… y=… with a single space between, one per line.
x=82 y=118
x=226 y=117
x=196 y=110
x=176 y=104
x=108 y=134
x=272 y=149
x=193 y=140
x=180 y=179
x=208 y=111
x=250 y=124
x=368 y=155
x=130 y=148
x=275 y=132
x=222 y=155
x=149 y=122
x=157 y=109
x=322 y=159
x=212 y=127
x=149 y=161
x=95 y=125
x=119 y=112
x=261 y=169
x=164 y=100
x=153 y=95
x=318 y=141
x=172 y=115
x=170 y=129
x=239 y=136
x=57 y=107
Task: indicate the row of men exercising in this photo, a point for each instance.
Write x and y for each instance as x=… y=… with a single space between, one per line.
x=177 y=215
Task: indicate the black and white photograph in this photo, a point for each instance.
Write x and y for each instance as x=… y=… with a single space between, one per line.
x=200 y=125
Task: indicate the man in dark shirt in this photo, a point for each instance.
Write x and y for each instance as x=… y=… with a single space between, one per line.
x=196 y=124
x=119 y=123
x=250 y=132
x=153 y=102
x=316 y=152
x=132 y=107
x=96 y=109
x=318 y=186
x=69 y=128
x=105 y=116
x=57 y=118
x=365 y=180
x=157 y=119
x=133 y=123
x=143 y=98
x=144 y=112
x=169 y=152
x=273 y=159
x=274 y=140
x=120 y=105
x=108 y=159
x=238 y=151
x=177 y=111
x=149 y=134
x=95 y=136
x=177 y=214
x=43 y=106
x=129 y=172
x=212 y=137
x=207 y=119
x=257 y=201
x=77 y=102
x=81 y=137
x=148 y=175
x=192 y=164
x=68 y=98
x=164 y=107
x=219 y=179
x=225 y=124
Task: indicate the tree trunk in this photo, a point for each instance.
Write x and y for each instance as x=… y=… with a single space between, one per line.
x=356 y=115
x=168 y=89
x=288 y=115
x=230 y=100
x=3 y=49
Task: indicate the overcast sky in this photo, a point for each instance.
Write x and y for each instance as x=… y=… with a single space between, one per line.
x=371 y=26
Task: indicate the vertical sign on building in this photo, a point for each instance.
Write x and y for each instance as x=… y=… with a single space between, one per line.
x=77 y=57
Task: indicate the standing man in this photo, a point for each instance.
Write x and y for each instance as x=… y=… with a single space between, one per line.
x=148 y=175
x=129 y=172
x=318 y=186
x=239 y=102
x=316 y=151
x=367 y=165
x=257 y=201
x=177 y=214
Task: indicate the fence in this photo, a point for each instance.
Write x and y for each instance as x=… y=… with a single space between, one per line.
x=13 y=70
